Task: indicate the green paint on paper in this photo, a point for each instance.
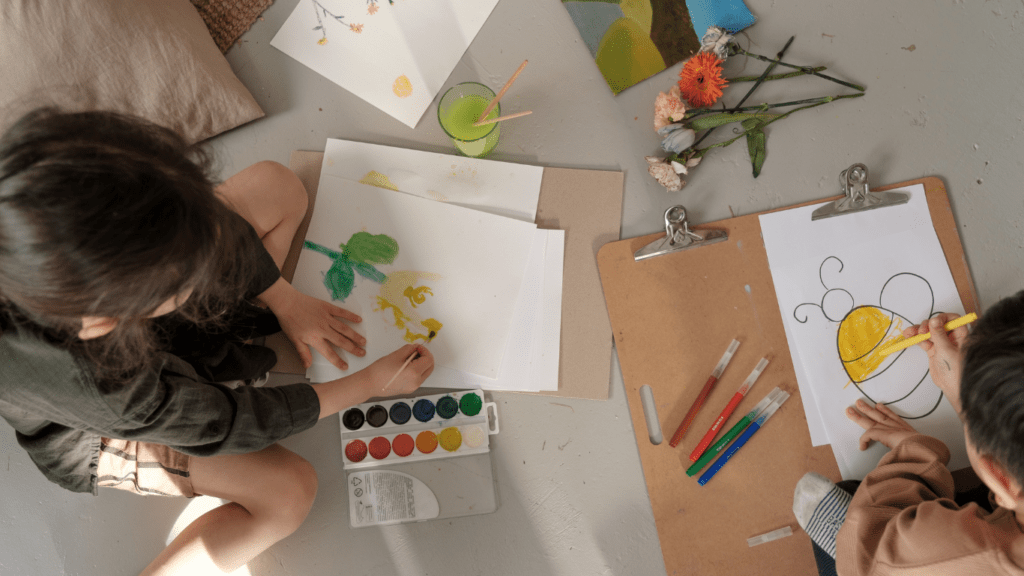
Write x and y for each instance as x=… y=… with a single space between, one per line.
x=359 y=255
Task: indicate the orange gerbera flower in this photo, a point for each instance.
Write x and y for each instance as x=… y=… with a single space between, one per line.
x=700 y=80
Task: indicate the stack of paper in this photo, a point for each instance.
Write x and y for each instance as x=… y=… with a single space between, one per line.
x=416 y=242
x=847 y=286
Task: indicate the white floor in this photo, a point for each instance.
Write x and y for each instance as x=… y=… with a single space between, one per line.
x=943 y=99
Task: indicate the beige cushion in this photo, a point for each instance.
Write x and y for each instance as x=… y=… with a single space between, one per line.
x=151 y=58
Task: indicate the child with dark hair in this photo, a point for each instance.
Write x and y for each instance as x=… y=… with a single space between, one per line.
x=905 y=517
x=130 y=287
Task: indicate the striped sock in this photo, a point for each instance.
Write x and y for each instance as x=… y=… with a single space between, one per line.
x=820 y=508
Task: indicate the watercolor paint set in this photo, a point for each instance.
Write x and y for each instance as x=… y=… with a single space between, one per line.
x=421 y=458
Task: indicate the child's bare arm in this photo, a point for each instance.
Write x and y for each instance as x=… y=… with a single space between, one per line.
x=369 y=382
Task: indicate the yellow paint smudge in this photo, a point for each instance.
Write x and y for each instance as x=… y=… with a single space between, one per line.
x=416 y=295
x=860 y=340
x=402 y=87
x=397 y=288
x=374 y=178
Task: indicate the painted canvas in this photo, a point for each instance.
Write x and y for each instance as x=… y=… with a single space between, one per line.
x=394 y=55
x=632 y=40
x=416 y=271
x=845 y=293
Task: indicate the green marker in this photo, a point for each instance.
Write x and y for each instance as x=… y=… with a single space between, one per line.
x=733 y=432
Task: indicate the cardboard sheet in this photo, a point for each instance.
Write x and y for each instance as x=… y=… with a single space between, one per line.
x=587 y=204
x=672 y=316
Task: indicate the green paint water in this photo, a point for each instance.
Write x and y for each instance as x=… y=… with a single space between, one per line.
x=458 y=119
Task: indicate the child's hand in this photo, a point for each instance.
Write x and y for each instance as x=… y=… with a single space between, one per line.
x=944 y=354
x=881 y=424
x=411 y=378
x=312 y=323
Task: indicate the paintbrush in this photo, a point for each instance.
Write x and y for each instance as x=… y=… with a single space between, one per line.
x=408 y=361
x=494 y=102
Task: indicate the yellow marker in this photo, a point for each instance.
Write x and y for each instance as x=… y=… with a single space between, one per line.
x=951 y=325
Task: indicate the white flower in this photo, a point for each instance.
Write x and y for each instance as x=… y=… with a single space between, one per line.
x=677 y=138
x=716 y=40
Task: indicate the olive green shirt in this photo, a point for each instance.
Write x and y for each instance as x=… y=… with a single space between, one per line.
x=60 y=410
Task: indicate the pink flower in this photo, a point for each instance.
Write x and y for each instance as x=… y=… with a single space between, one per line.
x=668 y=108
x=664 y=173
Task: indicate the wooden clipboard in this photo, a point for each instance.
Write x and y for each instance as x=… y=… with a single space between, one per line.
x=672 y=317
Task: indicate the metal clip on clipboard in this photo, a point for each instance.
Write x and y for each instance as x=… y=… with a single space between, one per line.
x=678 y=236
x=854 y=183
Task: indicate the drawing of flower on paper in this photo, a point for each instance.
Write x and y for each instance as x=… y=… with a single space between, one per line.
x=322 y=13
x=372 y=9
x=400 y=293
x=360 y=255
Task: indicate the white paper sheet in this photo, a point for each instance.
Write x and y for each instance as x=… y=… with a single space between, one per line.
x=460 y=267
x=501 y=188
x=531 y=358
x=847 y=284
x=530 y=362
x=396 y=56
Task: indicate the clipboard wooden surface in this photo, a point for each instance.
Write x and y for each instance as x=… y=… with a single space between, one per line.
x=587 y=204
x=672 y=317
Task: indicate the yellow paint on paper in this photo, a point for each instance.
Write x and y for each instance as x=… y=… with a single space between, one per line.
x=374 y=178
x=860 y=339
x=400 y=287
x=402 y=87
x=416 y=295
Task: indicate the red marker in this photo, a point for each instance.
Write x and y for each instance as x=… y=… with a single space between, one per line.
x=736 y=399
x=715 y=375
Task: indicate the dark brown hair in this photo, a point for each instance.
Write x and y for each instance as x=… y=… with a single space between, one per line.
x=108 y=215
x=992 y=384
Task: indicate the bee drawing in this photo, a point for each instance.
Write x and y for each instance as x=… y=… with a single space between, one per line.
x=862 y=330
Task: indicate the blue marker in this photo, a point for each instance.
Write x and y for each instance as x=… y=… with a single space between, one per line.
x=743 y=438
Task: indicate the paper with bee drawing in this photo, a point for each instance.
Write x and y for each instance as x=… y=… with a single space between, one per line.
x=847 y=286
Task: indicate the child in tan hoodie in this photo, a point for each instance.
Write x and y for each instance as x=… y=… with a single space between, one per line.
x=903 y=518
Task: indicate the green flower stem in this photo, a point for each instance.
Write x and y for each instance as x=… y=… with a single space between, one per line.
x=764 y=75
x=700 y=152
x=777 y=76
x=691 y=114
x=806 y=69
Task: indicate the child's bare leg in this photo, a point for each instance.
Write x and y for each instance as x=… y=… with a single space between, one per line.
x=271 y=198
x=271 y=492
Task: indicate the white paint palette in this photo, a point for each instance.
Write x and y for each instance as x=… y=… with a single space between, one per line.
x=420 y=458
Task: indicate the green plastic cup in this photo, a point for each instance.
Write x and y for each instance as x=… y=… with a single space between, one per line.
x=460 y=108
